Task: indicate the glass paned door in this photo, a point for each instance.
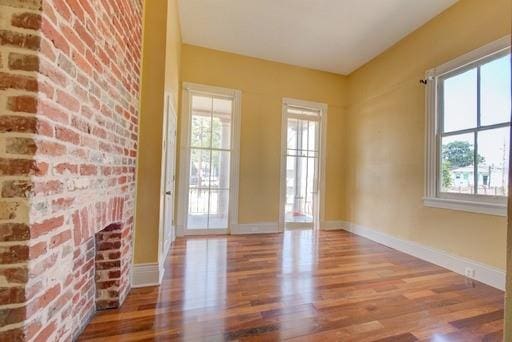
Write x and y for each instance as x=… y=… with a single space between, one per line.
x=302 y=161
x=210 y=156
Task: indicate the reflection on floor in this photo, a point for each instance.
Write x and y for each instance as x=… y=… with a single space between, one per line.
x=302 y=285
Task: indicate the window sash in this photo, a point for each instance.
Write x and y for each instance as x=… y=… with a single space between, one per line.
x=439 y=99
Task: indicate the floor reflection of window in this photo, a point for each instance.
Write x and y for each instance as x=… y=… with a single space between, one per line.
x=205 y=285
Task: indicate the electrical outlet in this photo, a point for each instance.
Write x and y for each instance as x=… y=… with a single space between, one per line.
x=469 y=272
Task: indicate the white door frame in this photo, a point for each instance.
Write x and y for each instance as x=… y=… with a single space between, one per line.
x=322 y=107
x=188 y=90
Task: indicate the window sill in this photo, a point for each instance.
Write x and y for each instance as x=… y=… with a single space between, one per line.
x=497 y=209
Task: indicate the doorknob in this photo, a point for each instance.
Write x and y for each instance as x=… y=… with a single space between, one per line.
x=168 y=192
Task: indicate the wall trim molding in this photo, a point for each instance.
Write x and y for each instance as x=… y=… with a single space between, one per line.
x=255 y=228
x=486 y=274
x=144 y=275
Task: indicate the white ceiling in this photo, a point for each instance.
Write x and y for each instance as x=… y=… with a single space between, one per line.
x=330 y=35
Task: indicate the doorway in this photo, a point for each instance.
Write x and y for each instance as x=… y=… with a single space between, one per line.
x=210 y=149
x=302 y=165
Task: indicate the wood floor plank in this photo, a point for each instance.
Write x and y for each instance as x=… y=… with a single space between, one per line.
x=301 y=286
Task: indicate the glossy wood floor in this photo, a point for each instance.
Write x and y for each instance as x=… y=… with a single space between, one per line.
x=302 y=286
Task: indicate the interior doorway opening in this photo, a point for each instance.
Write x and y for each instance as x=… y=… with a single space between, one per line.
x=302 y=164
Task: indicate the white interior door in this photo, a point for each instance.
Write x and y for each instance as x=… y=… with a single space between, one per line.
x=169 y=230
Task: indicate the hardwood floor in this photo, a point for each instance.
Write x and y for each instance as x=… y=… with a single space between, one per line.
x=302 y=286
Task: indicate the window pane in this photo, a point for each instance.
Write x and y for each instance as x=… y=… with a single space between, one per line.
x=220 y=169
x=219 y=204
x=199 y=168
x=313 y=135
x=457 y=166
x=201 y=121
x=304 y=131
x=197 y=209
x=200 y=131
x=221 y=124
x=493 y=161
x=495 y=91
x=460 y=101
x=292 y=134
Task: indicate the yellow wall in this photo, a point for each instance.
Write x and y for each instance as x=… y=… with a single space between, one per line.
x=160 y=73
x=263 y=85
x=385 y=127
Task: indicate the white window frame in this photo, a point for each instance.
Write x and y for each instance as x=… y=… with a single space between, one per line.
x=322 y=108
x=483 y=204
x=188 y=90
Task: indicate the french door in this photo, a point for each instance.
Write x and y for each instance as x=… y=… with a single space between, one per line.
x=302 y=152
x=210 y=151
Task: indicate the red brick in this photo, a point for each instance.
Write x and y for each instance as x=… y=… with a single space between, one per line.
x=47 y=188
x=77 y=231
x=88 y=170
x=67 y=135
x=12 y=315
x=9 y=81
x=60 y=238
x=42 y=301
x=19 y=167
x=18 y=61
x=15 y=334
x=45 y=334
x=19 y=124
x=53 y=113
x=66 y=168
x=84 y=35
x=17 y=274
x=55 y=36
x=46 y=226
x=26 y=20
x=20 y=146
x=37 y=250
x=26 y=104
x=61 y=204
x=21 y=40
x=14 y=232
x=49 y=148
x=62 y=8
x=12 y=295
x=76 y=8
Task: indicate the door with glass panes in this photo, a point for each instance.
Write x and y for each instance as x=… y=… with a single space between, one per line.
x=210 y=149
x=301 y=202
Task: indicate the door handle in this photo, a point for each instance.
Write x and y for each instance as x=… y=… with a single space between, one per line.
x=168 y=192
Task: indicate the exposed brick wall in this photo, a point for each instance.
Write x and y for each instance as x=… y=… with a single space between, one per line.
x=69 y=91
x=108 y=267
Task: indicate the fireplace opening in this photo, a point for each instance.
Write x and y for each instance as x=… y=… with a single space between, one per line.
x=108 y=267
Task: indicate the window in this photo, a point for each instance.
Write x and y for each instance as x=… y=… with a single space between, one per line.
x=210 y=145
x=468 y=131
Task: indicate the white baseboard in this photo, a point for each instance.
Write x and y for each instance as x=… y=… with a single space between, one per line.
x=483 y=273
x=144 y=275
x=255 y=228
x=332 y=225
